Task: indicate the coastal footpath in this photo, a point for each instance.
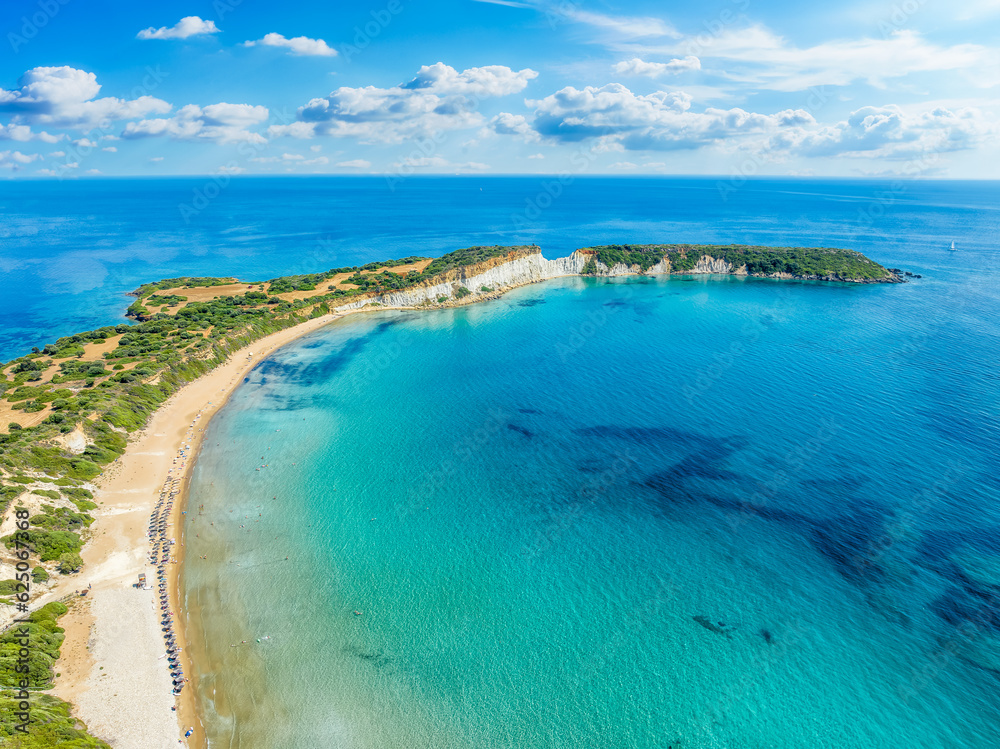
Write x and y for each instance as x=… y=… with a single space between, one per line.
x=95 y=428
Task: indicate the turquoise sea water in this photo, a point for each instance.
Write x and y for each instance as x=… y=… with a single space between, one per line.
x=705 y=512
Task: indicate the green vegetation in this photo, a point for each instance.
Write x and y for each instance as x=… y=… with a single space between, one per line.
x=52 y=534
x=468 y=256
x=52 y=726
x=7 y=495
x=70 y=562
x=39 y=575
x=462 y=292
x=385 y=264
x=45 y=637
x=170 y=300
x=184 y=282
x=801 y=262
x=379 y=282
x=61 y=519
x=48 y=545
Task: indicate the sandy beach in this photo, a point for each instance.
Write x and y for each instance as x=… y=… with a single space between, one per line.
x=112 y=666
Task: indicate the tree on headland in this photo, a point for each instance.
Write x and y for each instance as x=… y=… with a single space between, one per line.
x=70 y=562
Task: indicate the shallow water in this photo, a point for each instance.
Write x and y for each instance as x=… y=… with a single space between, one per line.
x=647 y=512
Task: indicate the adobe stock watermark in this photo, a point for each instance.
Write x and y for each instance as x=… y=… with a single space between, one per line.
x=595 y=487
x=723 y=361
x=247 y=150
x=899 y=16
x=714 y=28
x=561 y=12
x=472 y=443
x=871 y=214
x=31 y=25
x=424 y=148
x=223 y=8
x=366 y=34
x=592 y=323
x=749 y=167
x=552 y=189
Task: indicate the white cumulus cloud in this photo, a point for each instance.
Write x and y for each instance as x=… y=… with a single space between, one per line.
x=220 y=123
x=301 y=46
x=186 y=27
x=890 y=133
x=506 y=123
x=15 y=159
x=355 y=164
x=66 y=97
x=437 y=99
x=23 y=133
x=622 y=120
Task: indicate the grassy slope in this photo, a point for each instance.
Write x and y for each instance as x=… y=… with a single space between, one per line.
x=51 y=726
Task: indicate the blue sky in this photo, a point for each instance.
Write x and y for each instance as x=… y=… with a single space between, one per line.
x=736 y=87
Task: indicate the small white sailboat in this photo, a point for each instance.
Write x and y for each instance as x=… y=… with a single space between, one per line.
x=953 y=244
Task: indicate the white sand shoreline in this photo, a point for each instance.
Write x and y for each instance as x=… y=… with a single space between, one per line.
x=124 y=693
x=122 y=689
x=114 y=674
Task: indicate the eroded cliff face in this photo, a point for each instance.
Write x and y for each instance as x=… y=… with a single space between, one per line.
x=497 y=275
x=526 y=265
x=707 y=264
x=620 y=269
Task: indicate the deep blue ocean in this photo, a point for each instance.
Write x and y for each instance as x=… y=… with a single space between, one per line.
x=651 y=512
x=71 y=250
